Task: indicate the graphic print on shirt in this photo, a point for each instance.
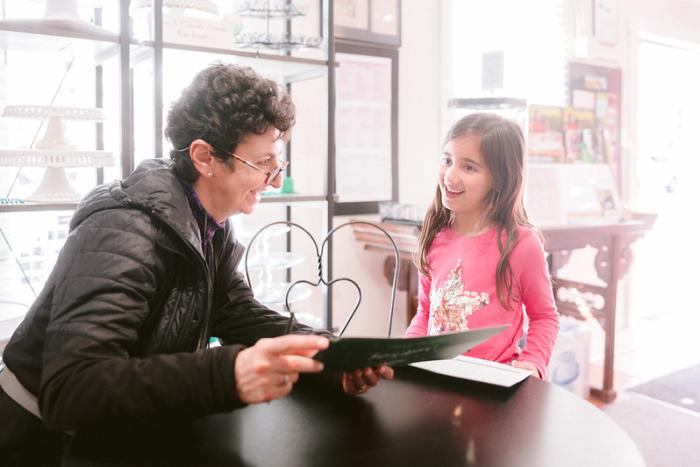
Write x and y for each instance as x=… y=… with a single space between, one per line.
x=451 y=305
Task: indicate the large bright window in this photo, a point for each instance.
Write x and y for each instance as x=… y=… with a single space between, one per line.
x=668 y=117
x=667 y=160
x=531 y=35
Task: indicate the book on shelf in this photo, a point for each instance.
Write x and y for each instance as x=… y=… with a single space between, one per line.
x=584 y=142
x=546 y=135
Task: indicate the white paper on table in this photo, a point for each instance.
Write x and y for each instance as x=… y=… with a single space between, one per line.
x=476 y=369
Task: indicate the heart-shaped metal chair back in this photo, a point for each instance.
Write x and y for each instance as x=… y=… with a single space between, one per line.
x=326 y=281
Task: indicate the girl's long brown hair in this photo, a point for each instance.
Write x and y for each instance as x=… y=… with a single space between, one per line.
x=503 y=149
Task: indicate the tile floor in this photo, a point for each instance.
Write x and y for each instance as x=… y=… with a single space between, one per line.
x=651 y=347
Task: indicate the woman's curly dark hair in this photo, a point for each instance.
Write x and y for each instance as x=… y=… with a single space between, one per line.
x=223 y=104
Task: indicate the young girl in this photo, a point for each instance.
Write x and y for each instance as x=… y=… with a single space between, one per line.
x=479 y=259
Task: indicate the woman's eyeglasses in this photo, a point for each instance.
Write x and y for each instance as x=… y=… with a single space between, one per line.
x=270 y=174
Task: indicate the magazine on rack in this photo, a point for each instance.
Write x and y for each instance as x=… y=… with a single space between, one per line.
x=356 y=352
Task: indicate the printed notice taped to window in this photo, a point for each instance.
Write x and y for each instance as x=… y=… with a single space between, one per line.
x=355 y=352
x=476 y=369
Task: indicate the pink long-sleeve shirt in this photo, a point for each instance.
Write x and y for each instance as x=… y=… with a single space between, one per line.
x=461 y=294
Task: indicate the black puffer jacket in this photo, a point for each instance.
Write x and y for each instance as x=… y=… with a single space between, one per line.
x=120 y=329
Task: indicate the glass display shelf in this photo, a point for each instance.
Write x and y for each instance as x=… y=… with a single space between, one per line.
x=93 y=19
x=264 y=63
x=47 y=28
x=270 y=33
x=36 y=207
x=54 y=53
x=48 y=41
x=200 y=7
x=268 y=199
x=225 y=25
x=55 y=151
x=291 y=198
x=275 y=294
x=265 y=9
x=74 y=63
x=275 y=260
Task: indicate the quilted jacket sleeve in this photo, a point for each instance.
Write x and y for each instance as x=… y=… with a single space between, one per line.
x=105 y=277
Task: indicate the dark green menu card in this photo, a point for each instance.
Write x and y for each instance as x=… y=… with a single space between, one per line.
x=358 y=352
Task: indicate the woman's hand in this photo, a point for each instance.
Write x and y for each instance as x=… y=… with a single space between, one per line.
x=359 y=381
x=269 y=369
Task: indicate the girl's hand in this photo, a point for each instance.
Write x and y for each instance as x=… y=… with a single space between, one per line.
x=359 y=381
x=526 y=366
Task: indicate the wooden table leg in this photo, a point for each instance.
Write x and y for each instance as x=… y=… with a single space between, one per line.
x=607 y=393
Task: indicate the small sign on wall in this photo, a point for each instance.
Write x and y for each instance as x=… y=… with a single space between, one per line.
x=492 y=70
x=605 y=21
x=182 y=29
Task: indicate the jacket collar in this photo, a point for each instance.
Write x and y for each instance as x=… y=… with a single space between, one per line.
x=152 y=188
x=208 y=226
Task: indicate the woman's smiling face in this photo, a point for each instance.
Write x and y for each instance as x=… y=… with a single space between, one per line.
x=233 y=186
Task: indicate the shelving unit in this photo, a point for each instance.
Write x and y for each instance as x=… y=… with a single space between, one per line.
x=134 y=81
x=55 y=151
x=36 y=207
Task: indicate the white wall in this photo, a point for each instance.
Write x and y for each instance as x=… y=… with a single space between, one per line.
x=420 y=101
x=419 y=144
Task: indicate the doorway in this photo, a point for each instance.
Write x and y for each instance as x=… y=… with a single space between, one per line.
x=664 y=312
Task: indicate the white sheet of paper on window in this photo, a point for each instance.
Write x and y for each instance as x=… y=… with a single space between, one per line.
x=605 y=20
x=560 y=194
x=363 y=128
x=543 y=200
x=583 y=99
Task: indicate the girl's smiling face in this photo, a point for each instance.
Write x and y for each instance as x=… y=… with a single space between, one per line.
x=465 y=181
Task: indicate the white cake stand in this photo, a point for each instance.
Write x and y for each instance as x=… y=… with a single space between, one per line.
x=54 y=186
x=270 y=9
x=61 y=15
x=54 y=151
x=47 y=111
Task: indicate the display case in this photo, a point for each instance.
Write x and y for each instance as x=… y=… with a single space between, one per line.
x=60 y=132
x=118 y=65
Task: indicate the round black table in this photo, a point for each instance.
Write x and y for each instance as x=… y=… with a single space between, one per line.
x=419 y=419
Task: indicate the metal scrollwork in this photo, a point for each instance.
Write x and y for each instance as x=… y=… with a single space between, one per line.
x=325 y=281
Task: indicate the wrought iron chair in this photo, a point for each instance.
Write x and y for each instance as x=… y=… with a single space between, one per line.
x=328 y=282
